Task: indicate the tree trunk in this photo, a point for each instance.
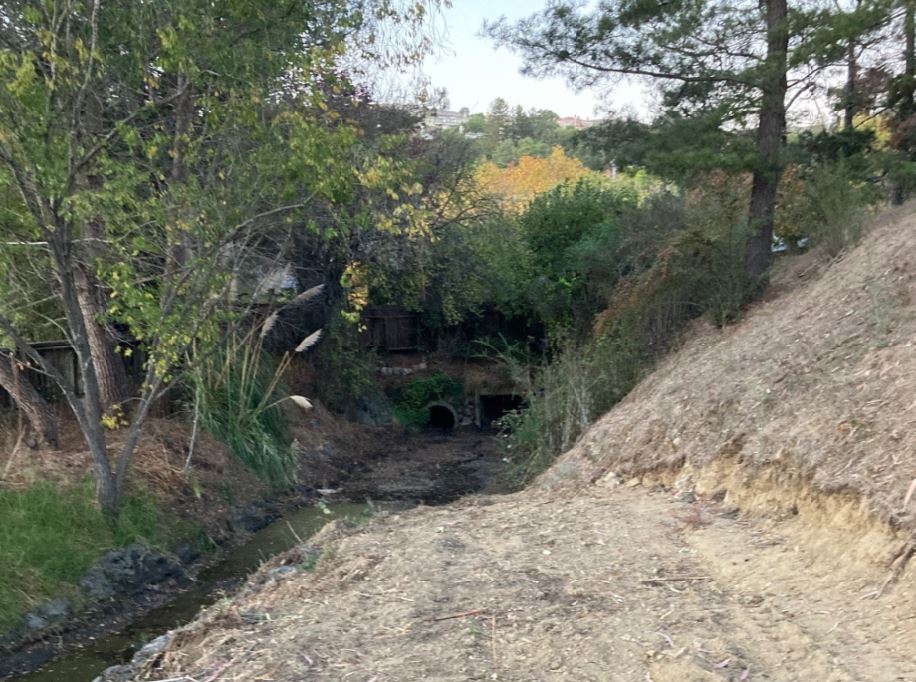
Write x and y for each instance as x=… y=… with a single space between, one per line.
x=87 y=408
x=770 y=136
x=39 y=414
x=907 y=104
x=909 y=57
x=178 y=252
x=109 y=366
x=850 y=96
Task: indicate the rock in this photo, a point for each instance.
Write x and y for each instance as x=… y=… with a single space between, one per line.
x=684 y=484
x=282 y=571
x=153 y=648
x=49 y=613
x=187 y=554
x=126 y=673
x=117 y=673
x=612 y=480
x=130 y=571
x=371 y=412
x=96 y=585
x=254 y=519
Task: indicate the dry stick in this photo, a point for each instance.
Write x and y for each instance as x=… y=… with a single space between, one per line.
x=677 y=579
x=187 y=463
x=295 y=534
x=20 y=427
x=897 y=567
x=16 y=447
x=464 y=614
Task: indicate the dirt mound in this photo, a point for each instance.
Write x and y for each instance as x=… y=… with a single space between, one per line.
x=812 y=393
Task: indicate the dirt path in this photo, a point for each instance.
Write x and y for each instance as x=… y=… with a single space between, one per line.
x=607 y=585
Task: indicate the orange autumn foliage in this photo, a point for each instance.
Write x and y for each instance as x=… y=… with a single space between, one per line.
x=517 y=185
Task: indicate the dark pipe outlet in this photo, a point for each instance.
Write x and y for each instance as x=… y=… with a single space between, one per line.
x=442 y=416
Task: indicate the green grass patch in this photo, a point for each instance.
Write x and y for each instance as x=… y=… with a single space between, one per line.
x=49 y=537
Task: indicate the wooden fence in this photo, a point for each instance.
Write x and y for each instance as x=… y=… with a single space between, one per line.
x=391 y=328
x=61 y=356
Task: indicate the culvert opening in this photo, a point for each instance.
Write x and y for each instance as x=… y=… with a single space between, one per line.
x=495 y=406
x=442 y=416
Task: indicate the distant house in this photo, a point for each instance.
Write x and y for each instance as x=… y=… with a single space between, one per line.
x=442 y=118
x=576 y=122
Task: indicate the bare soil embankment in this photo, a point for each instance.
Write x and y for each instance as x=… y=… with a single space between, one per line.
x=801 y=414
x=807 y=407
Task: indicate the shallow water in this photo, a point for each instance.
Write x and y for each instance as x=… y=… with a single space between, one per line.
x=89 y=662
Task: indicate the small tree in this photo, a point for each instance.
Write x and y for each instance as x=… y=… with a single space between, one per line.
x=150 y=155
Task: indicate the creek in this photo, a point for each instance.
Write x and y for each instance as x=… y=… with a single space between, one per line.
x=430 y=468
x=86 y=663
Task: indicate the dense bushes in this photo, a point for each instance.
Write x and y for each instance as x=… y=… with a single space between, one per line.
x=344 y=368
x=650 y=267
x=565 y=396
x=824 y=203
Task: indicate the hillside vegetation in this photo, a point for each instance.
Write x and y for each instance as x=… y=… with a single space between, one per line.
x=814 y=387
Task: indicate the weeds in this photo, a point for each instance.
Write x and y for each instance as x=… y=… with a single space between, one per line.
x=49 y=537
x=696 y=269
x=239 y=388
x=564 y=398
x=346 y=368
x=412 y=401
x=825 y=204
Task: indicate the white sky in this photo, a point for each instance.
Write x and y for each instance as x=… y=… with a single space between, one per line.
x=475 y=73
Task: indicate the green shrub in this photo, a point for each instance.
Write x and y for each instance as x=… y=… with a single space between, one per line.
x=825 y=203
x=677 y=273
x=238 y=389
x=412 y=401
x=344 y=368
x=566 y=396
x=49 y=538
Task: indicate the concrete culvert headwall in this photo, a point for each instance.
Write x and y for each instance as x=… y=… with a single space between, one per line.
x=442 y=416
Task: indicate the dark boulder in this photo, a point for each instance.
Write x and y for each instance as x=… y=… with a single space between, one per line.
x=129 y=571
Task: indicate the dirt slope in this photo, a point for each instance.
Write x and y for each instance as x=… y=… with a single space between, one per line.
x=816 y=387
x=607 y=585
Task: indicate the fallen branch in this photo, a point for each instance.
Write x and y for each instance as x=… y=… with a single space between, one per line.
x=676 y=579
